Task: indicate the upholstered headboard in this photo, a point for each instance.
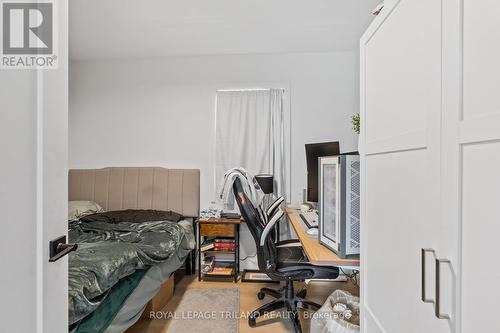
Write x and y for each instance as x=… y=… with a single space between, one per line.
x=138 y=188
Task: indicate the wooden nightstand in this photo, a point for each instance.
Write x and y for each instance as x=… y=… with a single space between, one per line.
x=223 y=228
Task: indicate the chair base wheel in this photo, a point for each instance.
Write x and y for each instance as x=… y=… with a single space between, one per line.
x=260 y=295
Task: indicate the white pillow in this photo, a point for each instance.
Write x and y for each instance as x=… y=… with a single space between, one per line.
x=80 y=208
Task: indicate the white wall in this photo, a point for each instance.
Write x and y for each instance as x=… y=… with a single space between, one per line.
x=161 y=111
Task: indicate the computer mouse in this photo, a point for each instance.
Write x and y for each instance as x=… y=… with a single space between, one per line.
x=312 y=231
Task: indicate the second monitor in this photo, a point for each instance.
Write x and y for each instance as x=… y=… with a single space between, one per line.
x=313 y=152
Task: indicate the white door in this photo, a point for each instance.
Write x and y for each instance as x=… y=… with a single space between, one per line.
x=33 y=193
x=401 y=119
x=471 y=160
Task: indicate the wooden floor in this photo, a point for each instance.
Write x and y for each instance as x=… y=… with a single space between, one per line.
x=316 y=292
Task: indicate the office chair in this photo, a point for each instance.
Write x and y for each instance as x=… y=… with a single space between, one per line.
x=273 y=208
x=279 y=263
x=265 y=216
x=268 y=215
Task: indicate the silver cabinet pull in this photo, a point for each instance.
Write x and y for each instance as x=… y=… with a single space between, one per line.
x=437 y=305
x=423 y=254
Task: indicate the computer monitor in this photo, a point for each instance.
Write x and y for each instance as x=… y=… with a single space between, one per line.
x=313 y=152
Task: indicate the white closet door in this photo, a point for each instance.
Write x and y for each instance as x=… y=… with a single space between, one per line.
x=401 y=115
x=471 y=159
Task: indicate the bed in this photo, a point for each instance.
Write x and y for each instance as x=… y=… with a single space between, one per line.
x=122 y=188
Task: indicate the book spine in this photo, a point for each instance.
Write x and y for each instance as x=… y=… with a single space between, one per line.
x=207 y=247
x=224 y=240
x=222 y=249
x=224 y=245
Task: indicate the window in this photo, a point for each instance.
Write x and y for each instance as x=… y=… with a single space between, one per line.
x=250 y=133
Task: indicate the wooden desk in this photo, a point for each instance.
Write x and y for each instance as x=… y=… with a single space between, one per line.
x=318 y=254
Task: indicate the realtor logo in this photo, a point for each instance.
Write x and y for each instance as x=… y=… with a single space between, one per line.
x=28 y=35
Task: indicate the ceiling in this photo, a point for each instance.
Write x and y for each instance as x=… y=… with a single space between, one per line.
x=114 y=29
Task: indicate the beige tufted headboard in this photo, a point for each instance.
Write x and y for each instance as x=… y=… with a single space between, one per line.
x=138 y=188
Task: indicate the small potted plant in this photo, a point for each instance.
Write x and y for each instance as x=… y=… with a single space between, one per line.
x=356 y=127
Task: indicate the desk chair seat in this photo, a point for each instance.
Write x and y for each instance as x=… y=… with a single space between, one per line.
x=281 y=262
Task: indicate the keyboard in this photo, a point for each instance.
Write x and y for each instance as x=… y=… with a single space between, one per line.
x=310 y=218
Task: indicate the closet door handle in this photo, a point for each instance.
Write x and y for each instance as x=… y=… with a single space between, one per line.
x=437 y=307
x=423 y=254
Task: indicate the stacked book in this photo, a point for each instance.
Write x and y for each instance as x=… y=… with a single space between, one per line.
x=208 y=266
x=224 y=257
x=228 y=271
x=220 y=256
x=219 y=244
x=224 y=244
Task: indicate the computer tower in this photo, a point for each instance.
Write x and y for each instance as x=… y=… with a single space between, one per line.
x=339 y=204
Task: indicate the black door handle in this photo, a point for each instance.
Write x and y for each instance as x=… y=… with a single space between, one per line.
x=58 y=248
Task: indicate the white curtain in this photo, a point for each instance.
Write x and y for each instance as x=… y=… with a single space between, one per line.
x=250 y=133
x=278 y=144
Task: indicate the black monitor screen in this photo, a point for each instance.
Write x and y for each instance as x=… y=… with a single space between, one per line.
x=313 y=152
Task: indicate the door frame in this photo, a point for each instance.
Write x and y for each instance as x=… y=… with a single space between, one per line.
x=52 y=181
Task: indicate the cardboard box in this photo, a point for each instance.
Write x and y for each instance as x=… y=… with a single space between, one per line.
x=158 y=302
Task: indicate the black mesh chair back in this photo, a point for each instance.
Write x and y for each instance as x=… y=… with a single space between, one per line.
x=267 y=254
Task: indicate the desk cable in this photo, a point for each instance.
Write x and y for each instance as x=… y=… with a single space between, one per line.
x=353 y=277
